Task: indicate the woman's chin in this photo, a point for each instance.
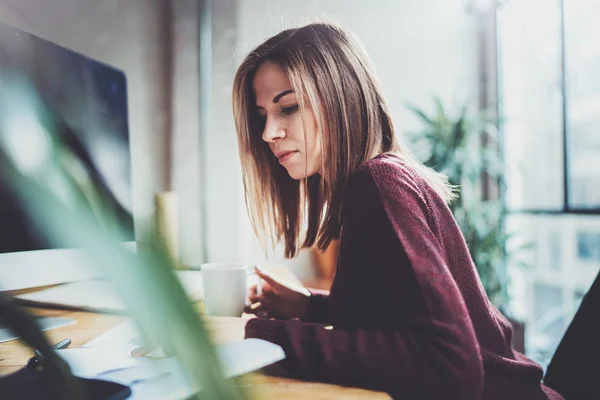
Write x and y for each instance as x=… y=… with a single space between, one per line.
x=297 y=173
x=296 y=176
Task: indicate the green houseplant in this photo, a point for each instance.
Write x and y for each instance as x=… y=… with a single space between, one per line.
x=464 y=148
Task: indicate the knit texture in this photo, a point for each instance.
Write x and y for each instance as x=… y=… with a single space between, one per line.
x=409 y=314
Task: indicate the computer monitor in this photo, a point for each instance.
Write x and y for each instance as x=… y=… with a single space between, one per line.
x=84 y=103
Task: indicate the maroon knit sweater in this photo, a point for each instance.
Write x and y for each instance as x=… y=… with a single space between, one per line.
x=409 y=314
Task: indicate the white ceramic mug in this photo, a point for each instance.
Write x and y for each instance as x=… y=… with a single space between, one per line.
x=225 y=288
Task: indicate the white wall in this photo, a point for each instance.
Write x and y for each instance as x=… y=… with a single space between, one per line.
x=419 y=48
x=223 y=189
x=186 y=159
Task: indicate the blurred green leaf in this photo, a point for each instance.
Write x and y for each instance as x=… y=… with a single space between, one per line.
x=420 y=114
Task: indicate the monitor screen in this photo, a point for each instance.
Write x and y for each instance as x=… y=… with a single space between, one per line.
x=71 y=97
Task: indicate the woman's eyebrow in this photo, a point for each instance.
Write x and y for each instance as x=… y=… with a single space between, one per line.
x=280 y=95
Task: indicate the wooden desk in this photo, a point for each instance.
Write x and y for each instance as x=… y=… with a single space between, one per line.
x=14 y=355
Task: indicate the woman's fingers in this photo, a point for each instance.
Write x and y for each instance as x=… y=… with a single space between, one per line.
x=259 y=303
x=252 y=292
x=268 y=296
x=266 y=290
x=269 y=279
x=266 y=314
x=258 y=309
x=255 y=298
x=253 y=308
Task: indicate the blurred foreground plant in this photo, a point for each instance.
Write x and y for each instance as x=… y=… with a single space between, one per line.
x=61 y=201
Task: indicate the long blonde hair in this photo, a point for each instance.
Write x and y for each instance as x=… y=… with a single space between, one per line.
x=329 y=68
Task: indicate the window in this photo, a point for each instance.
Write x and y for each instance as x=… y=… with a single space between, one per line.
x=582 y=91
x=549 y=97
x=588 y=246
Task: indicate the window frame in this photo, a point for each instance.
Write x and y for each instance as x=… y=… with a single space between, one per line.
x=566 y=207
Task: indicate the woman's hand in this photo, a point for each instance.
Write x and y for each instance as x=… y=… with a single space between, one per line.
x=277 y=300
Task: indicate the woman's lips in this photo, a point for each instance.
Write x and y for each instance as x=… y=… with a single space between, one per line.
x=286 y=156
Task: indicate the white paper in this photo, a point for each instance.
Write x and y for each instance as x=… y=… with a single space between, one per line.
x=157 y=379
x=89 y=363
x=165 y=378
x=248 y=355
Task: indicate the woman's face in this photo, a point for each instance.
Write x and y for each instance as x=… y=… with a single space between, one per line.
x=296 y=145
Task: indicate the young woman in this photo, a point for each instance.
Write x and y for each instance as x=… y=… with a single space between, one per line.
x=407 y=313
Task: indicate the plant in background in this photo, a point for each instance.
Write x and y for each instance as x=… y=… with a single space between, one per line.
x=60 y=196
x=466 y=151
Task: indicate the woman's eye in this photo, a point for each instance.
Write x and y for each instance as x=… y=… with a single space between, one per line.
x=289 y=110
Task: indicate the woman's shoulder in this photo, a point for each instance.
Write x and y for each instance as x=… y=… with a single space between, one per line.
x=388 y=169
x=391 y=182
x=385 y=160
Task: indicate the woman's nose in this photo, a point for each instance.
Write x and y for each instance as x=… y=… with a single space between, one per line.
x=273 y=132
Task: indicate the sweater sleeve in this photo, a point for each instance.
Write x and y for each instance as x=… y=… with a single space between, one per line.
x=434 y=355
